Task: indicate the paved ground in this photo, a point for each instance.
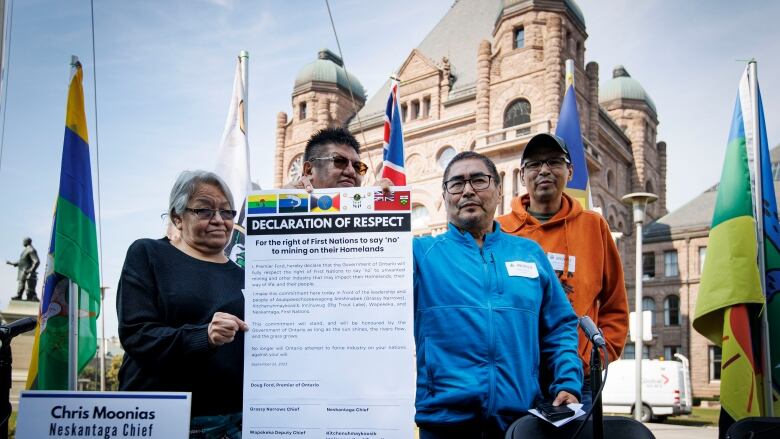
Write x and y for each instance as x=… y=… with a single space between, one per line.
x=666 y=431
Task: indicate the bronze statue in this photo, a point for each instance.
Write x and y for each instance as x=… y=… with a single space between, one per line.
x=28 y=278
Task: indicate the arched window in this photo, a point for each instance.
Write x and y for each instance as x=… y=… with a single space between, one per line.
x=610 y=180
x=649 y=186
x=519 y=38
x=648 y=304
x=672 y=310
x=501 y=175
x=420 y=217
x=445 y=155
x=515 y=182
x=517 y=113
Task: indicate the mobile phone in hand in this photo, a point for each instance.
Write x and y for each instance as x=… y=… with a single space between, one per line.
x=554 y=413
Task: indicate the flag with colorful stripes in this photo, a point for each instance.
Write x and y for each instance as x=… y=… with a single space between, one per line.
x=569 y=130
x=730 y=296
x=73 y=255
x=393 y=141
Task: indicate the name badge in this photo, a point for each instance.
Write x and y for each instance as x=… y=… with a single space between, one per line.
x=556 y=260
x=523 y=269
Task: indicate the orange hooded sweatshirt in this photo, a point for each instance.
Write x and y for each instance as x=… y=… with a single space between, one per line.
x=586 y=259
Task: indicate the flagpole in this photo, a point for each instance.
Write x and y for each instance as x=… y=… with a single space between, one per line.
x=73 y=336
x=759 y=203
x=243 y=56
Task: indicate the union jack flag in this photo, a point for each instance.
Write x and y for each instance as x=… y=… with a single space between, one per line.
x=393 y=142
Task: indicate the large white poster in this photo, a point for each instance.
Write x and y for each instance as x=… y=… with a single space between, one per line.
x=330 y=348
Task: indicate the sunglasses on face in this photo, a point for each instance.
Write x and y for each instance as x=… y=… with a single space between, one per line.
x=208 y=214
x=342 y=162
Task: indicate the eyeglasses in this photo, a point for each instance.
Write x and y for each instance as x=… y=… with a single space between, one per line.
x=208 y=214
x=342 y=162
x=458 y=185
x=553 y=163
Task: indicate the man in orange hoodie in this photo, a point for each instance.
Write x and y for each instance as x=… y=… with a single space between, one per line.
x=578 y=243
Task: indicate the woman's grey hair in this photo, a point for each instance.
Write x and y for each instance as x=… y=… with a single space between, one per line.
x=187 y=183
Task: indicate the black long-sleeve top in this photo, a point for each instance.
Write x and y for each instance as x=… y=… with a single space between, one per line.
x=165 y=301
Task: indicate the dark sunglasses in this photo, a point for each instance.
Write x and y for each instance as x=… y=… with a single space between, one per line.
x=342 y=162
x=208 y=214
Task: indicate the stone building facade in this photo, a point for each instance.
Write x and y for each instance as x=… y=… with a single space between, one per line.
x=488 y=77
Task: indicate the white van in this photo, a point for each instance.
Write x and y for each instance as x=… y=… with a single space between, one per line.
x=666 y=388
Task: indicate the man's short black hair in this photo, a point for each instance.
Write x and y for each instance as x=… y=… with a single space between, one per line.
x=318 y=142
x=469 y=155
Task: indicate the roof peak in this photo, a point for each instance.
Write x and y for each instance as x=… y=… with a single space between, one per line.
x=620 y=72
x=327 y=55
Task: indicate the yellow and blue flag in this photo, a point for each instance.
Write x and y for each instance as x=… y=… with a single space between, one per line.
x=569 y=130
x=73 y=255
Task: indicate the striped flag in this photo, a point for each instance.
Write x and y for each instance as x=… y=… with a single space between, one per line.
x=233 y=161
x=393 y=142
x=569 y=130
x=73 y=255
x=730 y=296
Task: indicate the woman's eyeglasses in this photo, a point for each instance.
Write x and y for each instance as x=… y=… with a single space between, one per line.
x=208 y=214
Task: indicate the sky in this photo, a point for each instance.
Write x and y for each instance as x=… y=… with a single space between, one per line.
x=164 y=73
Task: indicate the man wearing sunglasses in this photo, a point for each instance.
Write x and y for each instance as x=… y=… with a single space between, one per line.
x=577 y=242
x=332 y=159
x=487 y=305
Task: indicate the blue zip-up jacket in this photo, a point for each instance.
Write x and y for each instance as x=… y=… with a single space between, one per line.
x=482 y=318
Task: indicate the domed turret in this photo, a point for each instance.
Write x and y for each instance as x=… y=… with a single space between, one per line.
x=328 y=69
x=622 y=86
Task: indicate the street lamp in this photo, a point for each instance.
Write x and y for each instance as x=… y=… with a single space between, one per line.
x=638 y=201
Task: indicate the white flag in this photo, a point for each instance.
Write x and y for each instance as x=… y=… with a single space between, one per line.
x=233 y=161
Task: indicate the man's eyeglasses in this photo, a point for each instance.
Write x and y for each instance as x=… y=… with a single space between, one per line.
x=208 y=214
x=342 y=162
x=457 y=186
x=553 y=163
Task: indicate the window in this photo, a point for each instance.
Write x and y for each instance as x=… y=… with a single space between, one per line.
x=502 y=176
x=515 y=183
x=404 y=111
x=415 y=110
x=670 y=264
x=517 y=113
x=648 y=266
x=648 y=304
x=702 y=255
x=519 y=38
x=420 y=217
x=669 y=352
x=302 y=111
x=672 y=311
x=610 y=180
x=715 y=359
x=426 y=106
x=629 y=349
x=446 y=154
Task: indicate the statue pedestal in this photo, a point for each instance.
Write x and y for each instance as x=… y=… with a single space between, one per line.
x=21 y=345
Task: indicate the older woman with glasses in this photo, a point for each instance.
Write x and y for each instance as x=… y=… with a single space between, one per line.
x=180 y=306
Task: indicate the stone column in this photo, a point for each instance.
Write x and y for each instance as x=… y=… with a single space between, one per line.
x=592 y=73
x=323 y=112
x=662 y=183
x=483 y=87
x=281 y=133
x=553 y=76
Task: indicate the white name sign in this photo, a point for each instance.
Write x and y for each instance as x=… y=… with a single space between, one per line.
x=105 y=415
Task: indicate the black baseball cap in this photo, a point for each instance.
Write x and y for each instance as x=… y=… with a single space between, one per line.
x=545 y=140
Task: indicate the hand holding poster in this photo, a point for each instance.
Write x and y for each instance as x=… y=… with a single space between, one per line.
x=330 y=350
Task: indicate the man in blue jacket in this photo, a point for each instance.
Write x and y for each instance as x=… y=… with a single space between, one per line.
x=487 y=305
